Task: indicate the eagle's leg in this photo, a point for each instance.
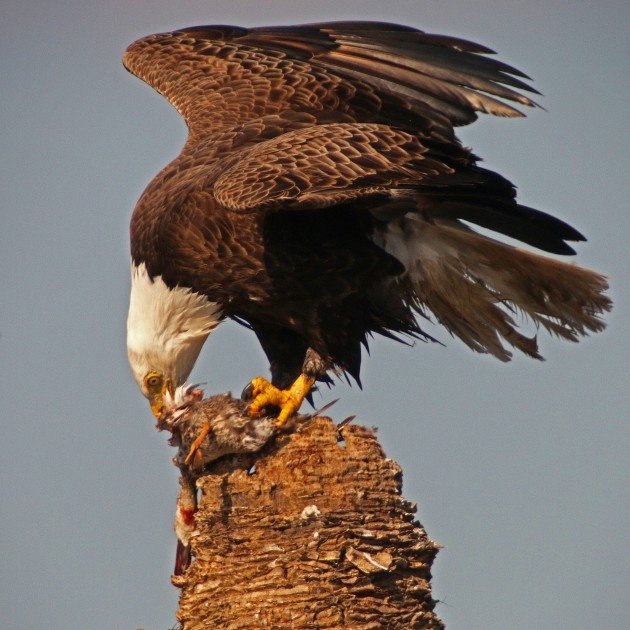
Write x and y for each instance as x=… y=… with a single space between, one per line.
x=289 y=400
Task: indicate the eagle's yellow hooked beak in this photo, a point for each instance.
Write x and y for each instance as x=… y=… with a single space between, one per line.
x=157 y=386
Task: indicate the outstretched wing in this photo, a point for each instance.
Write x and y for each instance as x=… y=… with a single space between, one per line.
x=221 y=76
x=314 y=115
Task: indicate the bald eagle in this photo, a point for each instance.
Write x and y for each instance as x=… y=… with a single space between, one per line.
x=322 y=197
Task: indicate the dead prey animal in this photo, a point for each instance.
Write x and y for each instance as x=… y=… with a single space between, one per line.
x=204 y=430
x=209 y=428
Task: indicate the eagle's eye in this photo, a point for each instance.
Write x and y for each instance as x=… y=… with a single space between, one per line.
x=153 y=381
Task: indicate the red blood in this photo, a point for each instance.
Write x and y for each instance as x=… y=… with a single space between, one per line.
x=188 y=515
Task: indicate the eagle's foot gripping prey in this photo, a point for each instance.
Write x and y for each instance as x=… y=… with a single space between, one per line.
x=288 y=400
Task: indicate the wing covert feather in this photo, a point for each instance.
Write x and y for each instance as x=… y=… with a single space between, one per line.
x=324 y=165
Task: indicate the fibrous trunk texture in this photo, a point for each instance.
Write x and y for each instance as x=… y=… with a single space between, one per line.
x=310 y=533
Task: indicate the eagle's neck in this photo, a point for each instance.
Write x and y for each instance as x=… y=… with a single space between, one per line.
x=166 y=326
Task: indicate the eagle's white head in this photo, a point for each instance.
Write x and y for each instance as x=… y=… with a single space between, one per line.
x=166 y=329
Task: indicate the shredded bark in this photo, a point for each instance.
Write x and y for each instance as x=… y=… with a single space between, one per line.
x=312 y=532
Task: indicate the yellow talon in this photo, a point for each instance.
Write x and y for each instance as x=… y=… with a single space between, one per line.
x=289 y=400
x=265 y=394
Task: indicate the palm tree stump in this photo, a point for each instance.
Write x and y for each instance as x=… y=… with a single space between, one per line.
x=312 y=532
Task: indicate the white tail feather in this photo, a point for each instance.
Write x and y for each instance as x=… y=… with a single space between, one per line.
x=474 y=286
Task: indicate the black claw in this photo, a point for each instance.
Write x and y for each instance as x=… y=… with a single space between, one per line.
x=248 y=392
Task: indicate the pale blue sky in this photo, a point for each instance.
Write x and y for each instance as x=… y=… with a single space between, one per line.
x=519 y=470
